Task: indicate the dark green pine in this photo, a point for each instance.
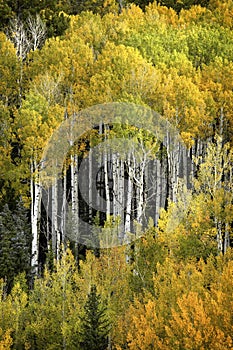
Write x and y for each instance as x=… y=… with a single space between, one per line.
x=95 y=326
x=15 y=243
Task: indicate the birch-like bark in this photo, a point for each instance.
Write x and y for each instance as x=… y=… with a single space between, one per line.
x=121 y=198
x=163 y=177
x=129 y=195
x=227 y=237
x=185 y=165
x=64 y=205
x=74 y=199
x=169 y=168
x=115 y=179
x=54 y=220
x=35 y=215
x=107 y=196
x=140 y=202
x=170 y=161
x=218 y=225
x=25 y=37
x=48 y=222
x=106 y=177
x=90 y=184
x=74 y=189
x=158 y=192
x=98 y=179
x=36 y=30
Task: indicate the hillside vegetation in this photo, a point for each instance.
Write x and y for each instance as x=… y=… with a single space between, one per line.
x=169 y=283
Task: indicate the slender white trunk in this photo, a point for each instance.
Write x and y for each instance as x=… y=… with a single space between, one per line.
x=185 y=165
x=115 y=179
x=227 y=237
x=106 y=176
x=170 y=168
x=193 y=167
x=90 y=185
x=173 y=152
x=163 y=177
x=107 y=210
x=129 y=196
x=121 y=198
x=54 y=218
x=99 y=178
x=35 y=215
x=218 y=225
x=140 y=187
x=47 y=221
x=63 y=209
x=158 y=192
x=221 y=122
x=74 y=198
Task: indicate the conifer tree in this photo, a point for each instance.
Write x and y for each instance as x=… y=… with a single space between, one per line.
x=14 y=242
x=95 y=326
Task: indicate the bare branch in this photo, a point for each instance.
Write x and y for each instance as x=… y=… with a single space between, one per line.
x=27 y=36
x=17 y=34
x=36 y=30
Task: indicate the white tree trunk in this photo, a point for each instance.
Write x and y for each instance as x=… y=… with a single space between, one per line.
x=140 y=202
x=74 y=198
x=227 y=237
x=173 y=152
x=90 y=182
x=64 y=205
x=36 y=29
x=129 y=196
x=115 y=178
x=106 y=175
x=54 y=221
x=158 y=192
x=218 y=225
x=121 y=198
x=108 y=207
x=35 y=215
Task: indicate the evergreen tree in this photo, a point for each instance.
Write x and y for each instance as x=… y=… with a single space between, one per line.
x=94 y=324
x=14 y=242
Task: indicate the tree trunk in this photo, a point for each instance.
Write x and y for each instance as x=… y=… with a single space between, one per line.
x=226 y=237
x=64 y=205
x=158 y=186
x=115 y=179
x=54 y=221
x=106 y=177
x=121 y=198
x=74 y=201
x=90 y=183
x=106 y=182
x=129 y=196
x=35 y=215
x=218 y=225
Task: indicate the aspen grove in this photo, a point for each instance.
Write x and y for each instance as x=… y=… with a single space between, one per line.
x=116 y=175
